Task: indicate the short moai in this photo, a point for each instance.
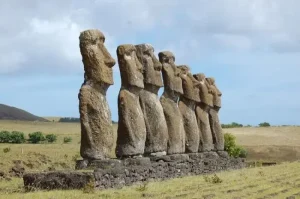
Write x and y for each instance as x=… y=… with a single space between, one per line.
x=215 y=125
x=187 y=104
x=202 y=113
x=156 y=125
x=169 y=102
x=131 y=129
x=96 y=126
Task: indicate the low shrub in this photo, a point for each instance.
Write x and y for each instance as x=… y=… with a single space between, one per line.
x=232 y=125
x=5 y=136
x=67 y=139
x=213 y=179
x=6 y=150
x=17 y=137
x=264 y=124
x=51 y=138
x=232 y=148
x=36 y=137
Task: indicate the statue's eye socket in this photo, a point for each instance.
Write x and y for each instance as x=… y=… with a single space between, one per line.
x=147 y=53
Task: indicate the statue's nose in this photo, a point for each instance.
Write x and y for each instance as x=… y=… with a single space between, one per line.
x=110 y=62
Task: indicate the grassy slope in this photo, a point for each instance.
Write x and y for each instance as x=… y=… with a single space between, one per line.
x=13 y=113
x=278 y=181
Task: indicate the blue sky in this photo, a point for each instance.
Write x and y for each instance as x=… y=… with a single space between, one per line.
x=251 y=47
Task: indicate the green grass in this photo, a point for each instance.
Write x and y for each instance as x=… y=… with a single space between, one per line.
x=278 y=181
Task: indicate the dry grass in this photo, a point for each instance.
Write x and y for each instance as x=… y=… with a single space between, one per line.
x=269 y=143
x=272 y=144
x=278 y=181
x=275 y=143
x=52 y=119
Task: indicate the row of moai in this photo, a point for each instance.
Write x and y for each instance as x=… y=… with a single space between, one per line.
x=184 y=120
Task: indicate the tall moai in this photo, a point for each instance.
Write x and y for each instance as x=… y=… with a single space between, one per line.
x=95 y=116
x=169 y=100
x=215 y=125
x=187 y=104
x=202 y=113
x=156 y=125
x=131 y=129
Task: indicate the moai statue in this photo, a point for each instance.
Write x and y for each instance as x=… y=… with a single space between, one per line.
x=187 y=105
x=169 y=99
x=202 y=113
x=131 y=129
x=156 y=125
x=95 y=116
x=215 y=125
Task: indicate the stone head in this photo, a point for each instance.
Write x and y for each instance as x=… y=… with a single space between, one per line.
x=97 y=60
x=206 y=96
x=215 y=91
x=171 y=74
x=130 y=68
x=166 y=57
x=184 y=69
x=200 y=77
x=152 y=67
x=190 y=85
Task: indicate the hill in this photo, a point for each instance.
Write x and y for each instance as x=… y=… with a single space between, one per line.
x=13 y=113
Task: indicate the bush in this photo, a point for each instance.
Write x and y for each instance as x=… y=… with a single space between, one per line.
x=264 y=124
x=67 y=139
x=36 y=137
x=232 y=125
x=17 y=137
x=6 y=150
x=233 y=149
x=51 y=138
x=4 y=137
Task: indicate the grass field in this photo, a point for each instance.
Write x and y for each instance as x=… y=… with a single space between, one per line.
x=280 y=181
x=267 y=144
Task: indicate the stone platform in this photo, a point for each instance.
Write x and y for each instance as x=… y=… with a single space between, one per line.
x=116 y=173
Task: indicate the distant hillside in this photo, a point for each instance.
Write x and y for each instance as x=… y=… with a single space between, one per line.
x=13 y=113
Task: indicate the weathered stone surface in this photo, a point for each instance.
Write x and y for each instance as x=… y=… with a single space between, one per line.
x=177 y=165
x=176 y=141
x=186 y=106
x=206 y=140
x=105 y=164
x=81 y=164
x=56 y=180
x=131 y=129
x=190 y=84
x=156 y=125
x=151 y=65
x=171 y=74
x=215 y=124
x=95 y=115
x=216 y=93
x=173 y=89
x=216 y=129
x=142 y=161
x=202 y=114
x=192 y=132
x=130 y=68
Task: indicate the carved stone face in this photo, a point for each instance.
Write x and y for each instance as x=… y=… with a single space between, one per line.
x=97 y=60
x=171 y=74
x=152 y=67
x=216 y=92
x=130 y=67
x=190 y=85
x=205 y=96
